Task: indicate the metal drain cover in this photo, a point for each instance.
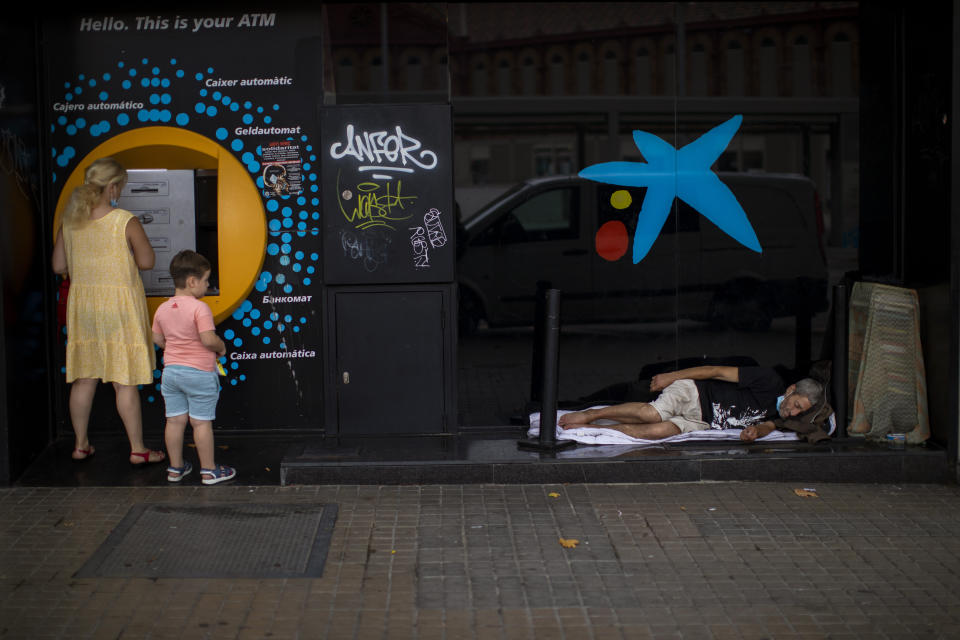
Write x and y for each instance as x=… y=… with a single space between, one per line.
x=227 y=540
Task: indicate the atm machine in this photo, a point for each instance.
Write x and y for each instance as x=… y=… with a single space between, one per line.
x=174 y=207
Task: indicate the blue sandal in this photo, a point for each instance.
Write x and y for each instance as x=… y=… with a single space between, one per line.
x=181 y=472
x=220 y=473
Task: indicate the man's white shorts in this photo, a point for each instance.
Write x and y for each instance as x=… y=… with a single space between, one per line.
x=679 y=403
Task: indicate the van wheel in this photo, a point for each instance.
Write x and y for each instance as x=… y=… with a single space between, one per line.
x=469 y=312
x=741 y=306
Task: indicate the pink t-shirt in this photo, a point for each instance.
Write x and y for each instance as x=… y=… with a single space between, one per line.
x=180 y=320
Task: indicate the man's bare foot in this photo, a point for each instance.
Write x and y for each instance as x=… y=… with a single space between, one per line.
x=574 y=419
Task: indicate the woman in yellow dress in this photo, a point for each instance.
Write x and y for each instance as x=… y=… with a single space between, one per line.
x=102 y=249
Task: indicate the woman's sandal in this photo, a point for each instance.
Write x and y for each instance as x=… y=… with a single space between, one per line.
x=147 y=457
x=176 y=474
x=80 y=455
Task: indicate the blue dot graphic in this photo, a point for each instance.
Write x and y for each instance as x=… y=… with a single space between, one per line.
x=182 y=119
x=222 y=133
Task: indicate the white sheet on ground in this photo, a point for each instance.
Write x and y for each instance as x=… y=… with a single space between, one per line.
x=599 y=435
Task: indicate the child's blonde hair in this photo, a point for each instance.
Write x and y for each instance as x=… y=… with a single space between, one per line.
x=99 y=175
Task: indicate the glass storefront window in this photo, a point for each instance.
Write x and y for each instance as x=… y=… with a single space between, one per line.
x=541 y=91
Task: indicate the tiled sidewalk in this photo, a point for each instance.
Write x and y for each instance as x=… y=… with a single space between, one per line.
x=718 y=560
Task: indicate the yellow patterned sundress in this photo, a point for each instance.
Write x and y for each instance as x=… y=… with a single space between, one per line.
x=108 y=326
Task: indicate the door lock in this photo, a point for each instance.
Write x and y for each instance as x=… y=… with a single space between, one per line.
x=346 y=377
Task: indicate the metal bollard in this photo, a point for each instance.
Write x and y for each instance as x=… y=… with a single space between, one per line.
x=838 y=376
x=547 y=440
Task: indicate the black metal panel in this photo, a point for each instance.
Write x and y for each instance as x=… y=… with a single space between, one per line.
x=388 y=214
x=390 y=370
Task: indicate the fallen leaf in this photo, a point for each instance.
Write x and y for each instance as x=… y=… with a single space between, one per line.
x=267 y=468
x=806 y=493
x=553 y=494
x=223 y=446
x=569 y=544
x=392 y=551
x=682 y=508
x=190 y=444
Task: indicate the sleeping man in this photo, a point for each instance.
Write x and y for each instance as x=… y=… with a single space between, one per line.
x=753 y=399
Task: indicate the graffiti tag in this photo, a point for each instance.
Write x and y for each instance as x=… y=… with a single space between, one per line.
x=376 y=205
x=388 y=150
x=367 y=247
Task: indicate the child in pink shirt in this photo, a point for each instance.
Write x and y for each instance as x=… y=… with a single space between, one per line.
x=183 y=327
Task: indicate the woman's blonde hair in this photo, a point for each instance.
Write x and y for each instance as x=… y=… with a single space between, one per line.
x=99 y=175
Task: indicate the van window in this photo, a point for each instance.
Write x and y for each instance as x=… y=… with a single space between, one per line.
x=546 y=216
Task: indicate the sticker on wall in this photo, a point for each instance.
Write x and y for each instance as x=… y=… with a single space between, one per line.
x=670 y=173
x=282 y=168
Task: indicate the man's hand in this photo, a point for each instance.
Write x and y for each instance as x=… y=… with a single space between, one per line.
x=751 y=433
x=661 y=381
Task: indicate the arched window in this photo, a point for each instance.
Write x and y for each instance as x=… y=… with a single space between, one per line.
x=802 y=67
x=504 y=70
x=375 y=77
x=698 y=71
x=767 y=67
x=528 y=76
x=641 y=72
x=414 y=73
x=841 y=65
x=669 y=71
x=584 y=74
x=478 y=78
x=735 y=69
x=611 y=73
x=345 y=75
x=558 y=75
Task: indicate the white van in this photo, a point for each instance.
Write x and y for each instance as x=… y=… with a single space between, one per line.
x=543 y=230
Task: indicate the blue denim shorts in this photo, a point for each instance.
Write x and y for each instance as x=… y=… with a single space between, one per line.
x=191 y=391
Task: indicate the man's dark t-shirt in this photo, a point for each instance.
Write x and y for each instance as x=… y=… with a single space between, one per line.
x=734 y=405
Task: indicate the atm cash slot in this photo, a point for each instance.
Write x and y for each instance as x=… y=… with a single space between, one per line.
x=141 y=189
